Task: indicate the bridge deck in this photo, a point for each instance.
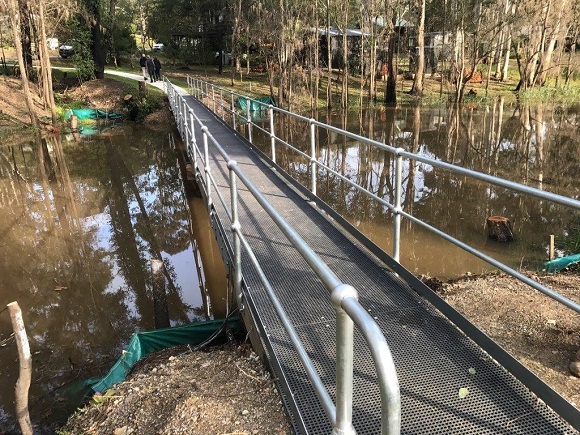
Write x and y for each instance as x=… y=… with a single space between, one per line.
x=433 y=358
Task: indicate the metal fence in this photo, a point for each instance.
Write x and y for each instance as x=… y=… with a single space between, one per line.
x=222 y=102
x=343 y=296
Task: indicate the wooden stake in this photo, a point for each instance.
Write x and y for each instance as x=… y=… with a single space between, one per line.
x=74 y=122
x=552 y=247
x=25 y=375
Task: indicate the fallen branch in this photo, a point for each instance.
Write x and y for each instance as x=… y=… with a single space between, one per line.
x=25 y=375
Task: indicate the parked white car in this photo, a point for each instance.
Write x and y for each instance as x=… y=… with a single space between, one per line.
x=158 y=46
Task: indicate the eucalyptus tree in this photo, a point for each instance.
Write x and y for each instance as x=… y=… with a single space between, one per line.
x=539 y=24
x=474 y=29
x=419 y=9
x=11 y=7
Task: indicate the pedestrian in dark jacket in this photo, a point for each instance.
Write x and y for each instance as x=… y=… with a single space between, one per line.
x=150 y=68
x=157 y=68
x=143 y=65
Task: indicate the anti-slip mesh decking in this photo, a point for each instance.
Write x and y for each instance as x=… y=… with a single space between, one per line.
x=433 y=358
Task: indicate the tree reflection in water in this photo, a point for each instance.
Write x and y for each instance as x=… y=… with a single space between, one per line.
x=533 y=145
x=80 y=222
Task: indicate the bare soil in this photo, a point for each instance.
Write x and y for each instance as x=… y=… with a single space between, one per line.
x=223 y=390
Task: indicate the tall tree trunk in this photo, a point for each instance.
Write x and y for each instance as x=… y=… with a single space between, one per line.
x=112 y=18
x=26 y=36
x=45 y=64
x=417 y=88
x=316 y=55
x=15 y=22
x=391 y=85
x=345 y=61
x=328 y=57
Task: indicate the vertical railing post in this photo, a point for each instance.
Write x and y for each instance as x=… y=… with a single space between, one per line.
x=179 y=113
x=233 y=110
x=207 y=169
x=397 y=210
x=236 y=230
x=272 y=133
x=185 y=121
x=313 y=161
x=249 y=119
x=193 y=140
x=344 y=361
x=222 y=103
x=213 y=97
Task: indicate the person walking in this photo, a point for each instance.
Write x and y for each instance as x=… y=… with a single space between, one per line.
x=150 y=68
x=143 y=65
x=157 y=68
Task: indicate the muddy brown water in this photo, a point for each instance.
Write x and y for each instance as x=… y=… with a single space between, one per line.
x=534 y=145
x=81 y=221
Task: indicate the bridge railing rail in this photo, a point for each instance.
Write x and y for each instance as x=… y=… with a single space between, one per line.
x=225 y=100
x=343 y=296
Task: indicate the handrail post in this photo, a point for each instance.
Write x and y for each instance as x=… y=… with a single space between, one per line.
x=233 y=110
x=222 y=103
x=180 y=114
x=186 y=129
x=272 y=133
x=236 y=228
x=397 y=209
x=313 y=161
x=249 y=119
x=344 y=361
x=193 y=141
x=213 y=97
x=206 y=168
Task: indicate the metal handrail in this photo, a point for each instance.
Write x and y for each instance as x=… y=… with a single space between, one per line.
x=343 y=296
x=396 y=208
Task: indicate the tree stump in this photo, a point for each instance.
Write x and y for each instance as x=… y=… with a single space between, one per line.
x=132 y=107
x=499 y=228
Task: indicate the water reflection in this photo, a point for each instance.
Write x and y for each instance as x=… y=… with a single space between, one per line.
x=80 y=223
x=534 y=145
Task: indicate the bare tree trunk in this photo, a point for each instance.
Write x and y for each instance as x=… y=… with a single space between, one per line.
x=25 y=374
x=345 y=61
x=391 y=85
x=316 y=55
x=15 y=21
x=26 y=36
x=506 y=57
x=417 y=88
x=112 y=17
x=45 y=64
x=328 y=57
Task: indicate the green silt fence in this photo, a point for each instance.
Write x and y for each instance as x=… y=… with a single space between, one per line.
x=145 y=343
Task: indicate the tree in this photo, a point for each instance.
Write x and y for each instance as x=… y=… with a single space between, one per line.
x=417 y=88
x=12 y=7
x=539 y=25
